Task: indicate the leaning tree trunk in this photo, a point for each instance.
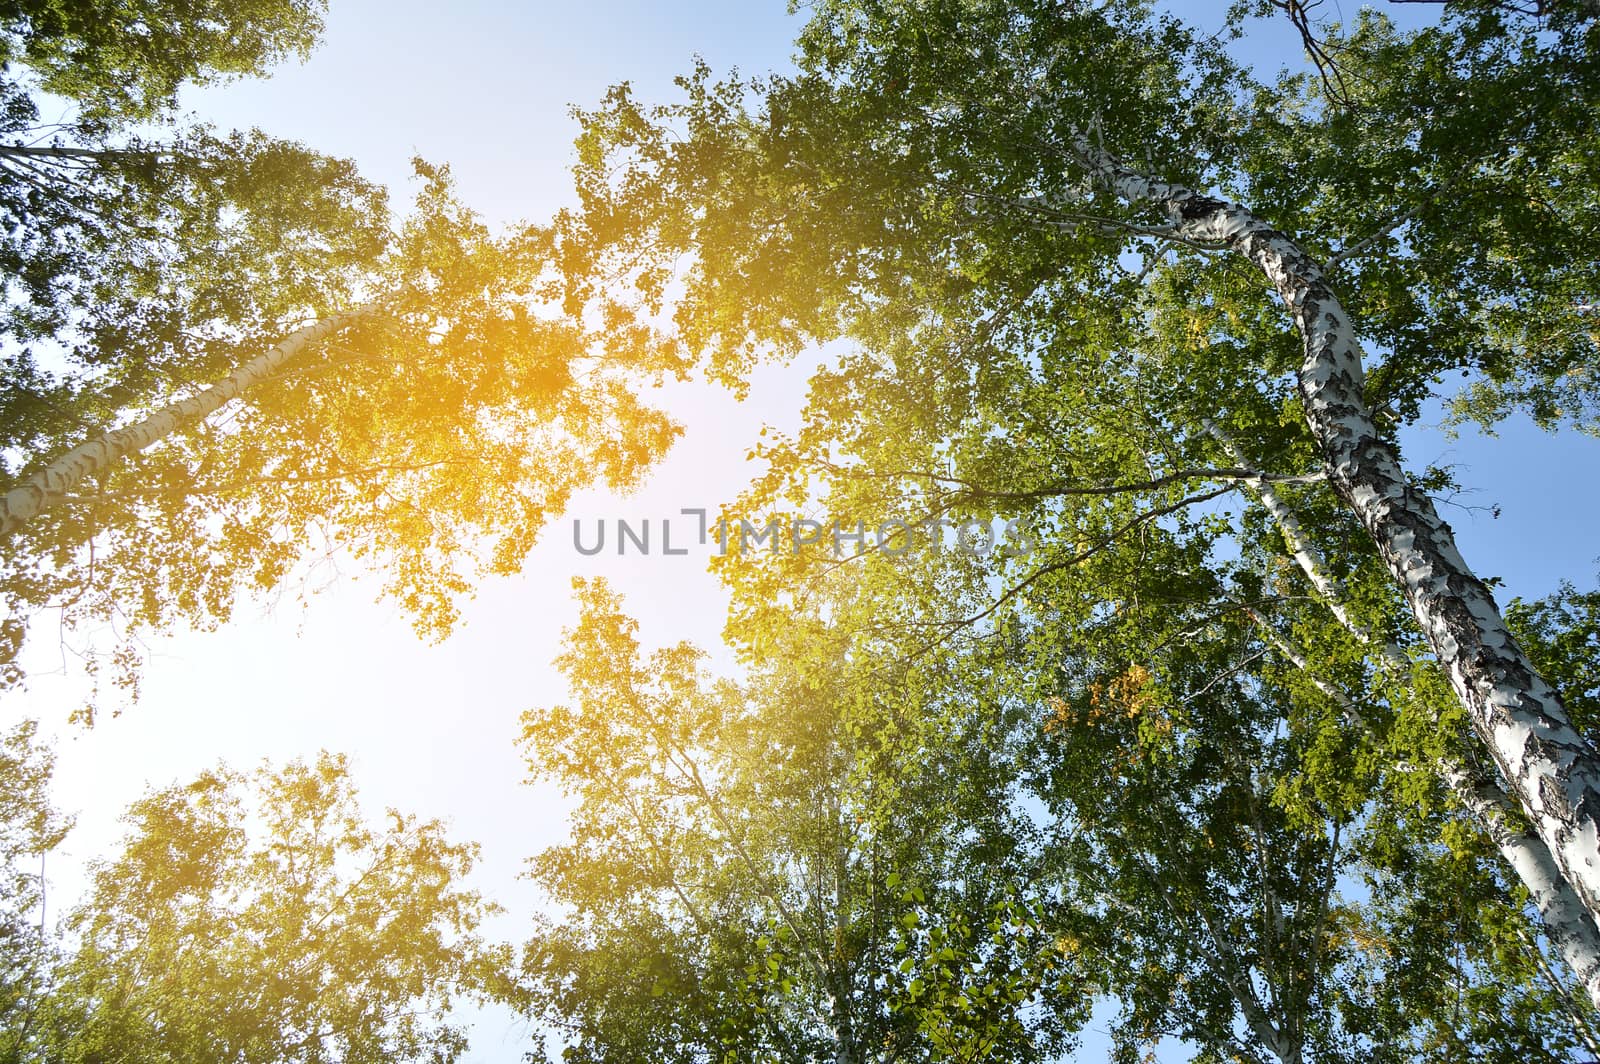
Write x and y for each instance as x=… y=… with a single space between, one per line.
x=1566 y=922
x=1568 y=925
x=1553 y=772
x=52 y=484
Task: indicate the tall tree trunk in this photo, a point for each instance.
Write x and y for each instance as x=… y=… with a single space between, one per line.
x=1569 y=926
x=55 y=481
x=844 y=1050
x=1565 y=920
x=1567 y=923
x=1553 y=772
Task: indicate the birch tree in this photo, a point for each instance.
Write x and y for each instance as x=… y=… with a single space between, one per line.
x=432 y=430
x=30 y=828
x=261 y=917
x=1224 y=881
x=230 y=368
x=1033 y=194
x=1253 y=869
x=1250 y=906
x=739 y=886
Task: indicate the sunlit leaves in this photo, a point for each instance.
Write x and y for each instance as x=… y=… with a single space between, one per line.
x=261 y=917
x=741 y=884
x=126 y=61
x=1019 y=345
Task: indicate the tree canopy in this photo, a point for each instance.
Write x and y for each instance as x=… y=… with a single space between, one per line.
x=1098 y=279
x=1222 y=747
x=227 y=359
x=740 y=885
x=258 y=917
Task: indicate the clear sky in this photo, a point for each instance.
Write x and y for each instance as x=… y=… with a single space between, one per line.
x=485 y=87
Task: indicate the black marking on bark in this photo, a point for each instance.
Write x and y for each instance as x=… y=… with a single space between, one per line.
x=1194 y=208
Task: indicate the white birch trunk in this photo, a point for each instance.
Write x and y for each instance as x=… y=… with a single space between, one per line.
x=1574 y=933
x=1570 y=928
x=55 y=481
x=1565 y=919
x=1554 y=774
x=1277 y=1037
x=839 y=1022
x=1308 y=557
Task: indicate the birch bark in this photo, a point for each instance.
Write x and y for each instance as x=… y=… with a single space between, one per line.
x=54 y=482
x=1566 y=921
x=1553 y=772
x=1569 y=926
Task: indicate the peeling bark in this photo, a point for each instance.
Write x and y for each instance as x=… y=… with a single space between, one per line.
x=1573 y=933
x=52 y=484
x=1569 y=926
x=1565 y=919
x=1553 y=772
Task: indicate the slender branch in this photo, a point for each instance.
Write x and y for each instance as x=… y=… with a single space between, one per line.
x=952 y=626
x=972 y=490
x=1365 y=244
x=32 y=151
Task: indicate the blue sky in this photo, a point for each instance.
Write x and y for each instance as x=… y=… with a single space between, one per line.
x=486 y=88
